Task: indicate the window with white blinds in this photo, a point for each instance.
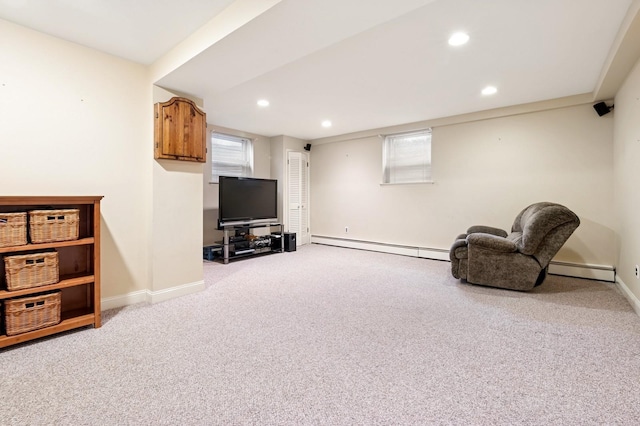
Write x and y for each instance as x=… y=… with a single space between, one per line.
x=406 y=158
x=230 y=156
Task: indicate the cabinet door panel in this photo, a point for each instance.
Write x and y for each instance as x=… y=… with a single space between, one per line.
x=180 y=131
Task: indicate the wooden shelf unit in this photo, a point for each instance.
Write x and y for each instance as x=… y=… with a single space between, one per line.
x=79 y=265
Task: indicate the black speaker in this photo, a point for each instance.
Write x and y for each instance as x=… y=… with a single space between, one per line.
x=307 y=147
x=602 y=108
x=289 y=241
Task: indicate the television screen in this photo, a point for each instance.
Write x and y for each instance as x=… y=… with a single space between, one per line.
x=247 y=200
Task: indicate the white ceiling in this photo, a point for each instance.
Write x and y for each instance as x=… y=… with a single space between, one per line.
x=137 y=30
x=362 y=64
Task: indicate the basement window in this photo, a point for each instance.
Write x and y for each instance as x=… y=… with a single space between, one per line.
x=406 y=158
x=230 y=156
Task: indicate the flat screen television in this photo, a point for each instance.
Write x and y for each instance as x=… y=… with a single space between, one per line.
x=246 y=201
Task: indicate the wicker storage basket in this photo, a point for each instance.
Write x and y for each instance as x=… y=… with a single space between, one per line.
x=53 y=225
x=31 y=270
x=33 y=312
x=13 y=229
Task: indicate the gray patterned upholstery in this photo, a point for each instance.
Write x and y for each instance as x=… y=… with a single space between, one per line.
x=517 y=260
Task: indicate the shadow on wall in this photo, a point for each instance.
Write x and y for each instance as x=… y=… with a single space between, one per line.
x=210 y=232
x=115 y=277
x=180 y=166
x=577 y=251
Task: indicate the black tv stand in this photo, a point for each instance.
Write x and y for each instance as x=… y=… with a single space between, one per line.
x=245 y=251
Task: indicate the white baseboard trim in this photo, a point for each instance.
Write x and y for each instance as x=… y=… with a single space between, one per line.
x=431 y=253
x=628 y=294
x=178 y=291
x=124 y=300
x=366 y=245
x=593 y=272
x=147 y=296
x=585 y=270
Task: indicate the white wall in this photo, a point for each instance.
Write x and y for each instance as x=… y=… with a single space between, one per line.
x=77 y=121
x=626 y=117
x=176 y=220
x=485 y=172
x=74 y=121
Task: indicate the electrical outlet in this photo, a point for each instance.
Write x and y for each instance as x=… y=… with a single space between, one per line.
x=346 y=231
x=637 y=272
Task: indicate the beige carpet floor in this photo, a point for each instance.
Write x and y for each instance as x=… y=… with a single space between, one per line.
x=331 y=336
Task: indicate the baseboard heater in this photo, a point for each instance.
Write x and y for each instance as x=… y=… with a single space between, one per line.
x=577 y=270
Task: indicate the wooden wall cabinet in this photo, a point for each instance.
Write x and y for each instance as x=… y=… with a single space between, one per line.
x=79 y=265
x=180 y=131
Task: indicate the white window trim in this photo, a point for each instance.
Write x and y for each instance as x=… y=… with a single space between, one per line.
x=387 y=140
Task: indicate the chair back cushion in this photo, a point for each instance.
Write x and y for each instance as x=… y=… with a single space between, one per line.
x=543 y=228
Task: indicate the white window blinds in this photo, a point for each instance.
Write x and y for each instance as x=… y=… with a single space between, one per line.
x=231 y=156
x=407 y=158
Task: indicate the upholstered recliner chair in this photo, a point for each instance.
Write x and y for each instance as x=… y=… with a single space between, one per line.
x=517 y=260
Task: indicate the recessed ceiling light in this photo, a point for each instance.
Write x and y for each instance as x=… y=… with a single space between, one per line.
x=489 y=90
x=458 y=39
x=326 y=123
x=263 y=103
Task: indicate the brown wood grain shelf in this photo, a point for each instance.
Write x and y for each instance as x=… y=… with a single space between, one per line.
x=30 y=247
x=78 y=266
x=64 y=325
x=63 y=283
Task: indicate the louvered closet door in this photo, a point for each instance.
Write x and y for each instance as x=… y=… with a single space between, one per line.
x=298 y=196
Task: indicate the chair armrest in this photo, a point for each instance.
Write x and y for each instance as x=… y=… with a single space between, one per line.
x=492 y=242
x=487 y=230
x=458 y=243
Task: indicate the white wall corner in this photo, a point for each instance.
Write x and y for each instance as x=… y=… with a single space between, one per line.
x=146 y=296
x=132 y=298
x=173 y=292
x=628 y=294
